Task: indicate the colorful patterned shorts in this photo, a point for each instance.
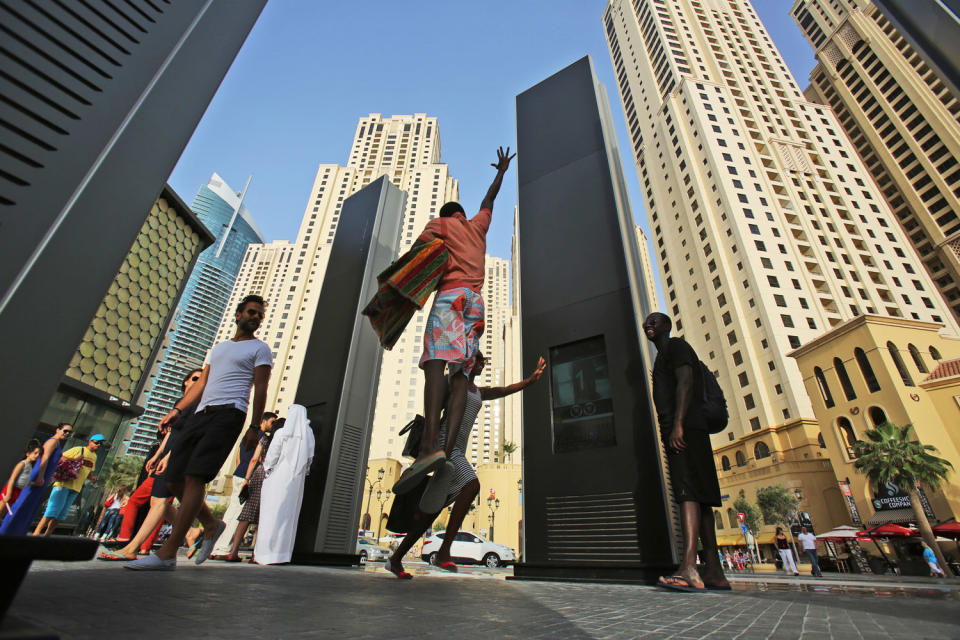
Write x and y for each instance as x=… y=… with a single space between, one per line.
x=454 y=327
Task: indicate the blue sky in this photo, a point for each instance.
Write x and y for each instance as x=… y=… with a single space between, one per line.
x=310 y=69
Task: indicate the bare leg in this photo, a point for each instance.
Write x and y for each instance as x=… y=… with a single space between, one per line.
x=434 y=391
x=241 y=531
x=456 y=404
x=158 y=509
x=713 y=570
x=690 y=523
x=44 y=521
x=394 y=561
x=460 y=508
x=191 y=506
x=51 y=526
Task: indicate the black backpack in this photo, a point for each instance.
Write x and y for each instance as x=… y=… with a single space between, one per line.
x=713 y=408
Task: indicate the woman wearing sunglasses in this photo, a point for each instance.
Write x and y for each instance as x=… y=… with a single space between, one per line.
x=19 y=517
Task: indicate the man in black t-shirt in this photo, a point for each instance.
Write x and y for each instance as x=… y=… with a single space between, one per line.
x=678 y=393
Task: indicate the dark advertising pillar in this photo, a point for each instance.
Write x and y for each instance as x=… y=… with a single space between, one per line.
x=595 y=504
x=341 y=370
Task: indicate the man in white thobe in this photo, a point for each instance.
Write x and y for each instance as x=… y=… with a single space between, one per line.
x=286 y=466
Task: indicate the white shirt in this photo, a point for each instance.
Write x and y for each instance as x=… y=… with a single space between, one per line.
x=809 y=540
x=231 y=372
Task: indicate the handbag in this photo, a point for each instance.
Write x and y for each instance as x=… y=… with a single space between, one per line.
x=244 y=494
x=414 y=429
x=405 y=514
x=68 y=468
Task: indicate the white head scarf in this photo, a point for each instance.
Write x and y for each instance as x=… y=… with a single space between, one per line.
x=297 y=444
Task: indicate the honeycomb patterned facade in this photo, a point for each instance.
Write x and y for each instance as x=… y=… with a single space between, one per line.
x=119 y=342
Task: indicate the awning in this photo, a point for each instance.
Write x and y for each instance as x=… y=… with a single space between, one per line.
x=888 y=530
x=894 y=516
x=767 y=538
x=948 y=530
x=730 y=541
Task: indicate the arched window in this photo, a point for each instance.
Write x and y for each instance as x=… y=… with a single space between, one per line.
x=866 y=370
x=761 y=450
x=917 y=358
x=732 y=518
x=934 y=353
x=820 y=441
x=898 y=363
x=718 y=519
x=741 y=459
x=824 y=388
x=845 y=383
x=725 y=463
x=847 y=437
x=877 y=416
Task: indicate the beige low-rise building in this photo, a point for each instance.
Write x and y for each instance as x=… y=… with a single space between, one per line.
x=872 y=370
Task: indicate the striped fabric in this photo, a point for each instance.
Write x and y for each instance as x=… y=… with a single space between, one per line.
x=405 y=287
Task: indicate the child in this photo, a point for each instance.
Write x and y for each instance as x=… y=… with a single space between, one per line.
x=19 y=477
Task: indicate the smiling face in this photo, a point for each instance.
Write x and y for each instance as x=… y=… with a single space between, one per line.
x=655 y=326
x=34 y=455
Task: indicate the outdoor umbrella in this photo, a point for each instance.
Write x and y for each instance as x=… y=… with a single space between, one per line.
x=840 y=534
x=948 y=530
x=889 y=531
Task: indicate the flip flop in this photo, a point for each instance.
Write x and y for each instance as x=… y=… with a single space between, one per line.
x=437 y=487
x=110 y=556
x=403 y=575
x=686 y=587
x=449 y=566
x=192 y=551
x=412 y=476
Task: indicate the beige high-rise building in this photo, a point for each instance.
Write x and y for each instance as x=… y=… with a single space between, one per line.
x=903 y=122
x=769 y=230
x=513 y=358
x=646 y=267
x=406 y=149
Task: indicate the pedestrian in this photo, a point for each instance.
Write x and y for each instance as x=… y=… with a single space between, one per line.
x=809 y=543
x=452 y=336
x=19 y=477
x=20 y=515
x=931 y=560
x=161 y=502
x=73 y=469
x=253 y=481
x=464 y=485
x=677 y=390
x=729 y=559
x=285 y=467
x=245 y=451
x=786 y=555
x=110 y=518
x=206 y=439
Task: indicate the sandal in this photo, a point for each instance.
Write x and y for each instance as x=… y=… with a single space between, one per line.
x=449 y=566
x=112 y=556
x=679 y=583
x=412 y=476
x=192 y=551
x=403 y=575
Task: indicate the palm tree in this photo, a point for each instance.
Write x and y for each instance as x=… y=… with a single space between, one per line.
x=890 y=456
x=508 y=449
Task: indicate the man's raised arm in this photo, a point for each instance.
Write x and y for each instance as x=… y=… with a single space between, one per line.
x=501 y=165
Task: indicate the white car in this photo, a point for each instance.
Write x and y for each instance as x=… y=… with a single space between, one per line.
x=369 y=549
x=469 y=547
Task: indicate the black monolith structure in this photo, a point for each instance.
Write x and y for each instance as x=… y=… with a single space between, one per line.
x=595 y=504
x=341 y=370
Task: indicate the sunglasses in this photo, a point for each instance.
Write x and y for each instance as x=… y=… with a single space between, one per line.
x=195 y=378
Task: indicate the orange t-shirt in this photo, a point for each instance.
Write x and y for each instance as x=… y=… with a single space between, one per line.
x=466 y=240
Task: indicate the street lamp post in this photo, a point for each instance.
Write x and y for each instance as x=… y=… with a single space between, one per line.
x=493 y=504
x=371 y=484
x=796 y=514
x=382 y=498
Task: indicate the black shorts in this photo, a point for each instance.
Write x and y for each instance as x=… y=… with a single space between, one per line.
x=204 y=443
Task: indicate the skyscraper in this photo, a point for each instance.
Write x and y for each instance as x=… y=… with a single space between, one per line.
x=203 y=303
x=767 y=226
x=406 y=149
x=902 y=120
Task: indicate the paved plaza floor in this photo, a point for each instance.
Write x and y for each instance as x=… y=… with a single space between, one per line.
x=217 y=600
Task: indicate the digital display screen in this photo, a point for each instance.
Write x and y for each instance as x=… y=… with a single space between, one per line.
x=580 y=396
